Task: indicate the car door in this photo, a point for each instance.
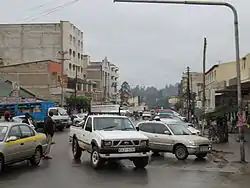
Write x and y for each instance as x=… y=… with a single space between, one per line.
x=27 y=134
x=148 y=130
x=162 y=137
x=14 y=149
x=87 y=132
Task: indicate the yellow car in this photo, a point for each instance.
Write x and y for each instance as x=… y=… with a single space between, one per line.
x=19 y=142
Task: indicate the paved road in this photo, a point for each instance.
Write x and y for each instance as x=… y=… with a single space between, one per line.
x=163 y=171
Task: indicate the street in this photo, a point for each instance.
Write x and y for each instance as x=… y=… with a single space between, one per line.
x=62 y=171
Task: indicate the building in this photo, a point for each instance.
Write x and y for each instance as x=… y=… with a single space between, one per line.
x=43 y=78
x=35 y=42
x=105 y=75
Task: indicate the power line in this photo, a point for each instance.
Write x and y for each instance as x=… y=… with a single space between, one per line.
x=40 y=6
x=51 y=10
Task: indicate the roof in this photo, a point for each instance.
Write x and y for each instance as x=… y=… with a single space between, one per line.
x=30 y=62
x=212 y=68
x=6 y=89
x=8 y=124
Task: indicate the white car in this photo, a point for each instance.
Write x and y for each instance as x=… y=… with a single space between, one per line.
x=146 y=115
x=19 y=119
x=174 y=137
x=109 y=137
x=77 y=118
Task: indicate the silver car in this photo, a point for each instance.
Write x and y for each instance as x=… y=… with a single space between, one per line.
x=19 y=142
x=174 y=138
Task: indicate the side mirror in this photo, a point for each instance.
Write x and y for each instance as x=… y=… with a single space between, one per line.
x=11 y=139
x=167 y=132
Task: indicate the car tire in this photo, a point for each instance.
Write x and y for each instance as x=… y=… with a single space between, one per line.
x=1 y=163
x=141 y=162
x=201 y=155
x=36 y=158
x=96 y=161
x=181 y=152
x=76 y=150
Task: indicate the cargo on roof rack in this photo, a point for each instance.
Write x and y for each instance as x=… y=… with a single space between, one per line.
x=105 y=109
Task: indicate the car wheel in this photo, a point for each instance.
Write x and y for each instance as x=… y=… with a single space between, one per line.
x=96 y=161
x=77 y=151
x=36 y=158
x=141 y=162
x=201 y=155
x=1 y=163
x=181 y=152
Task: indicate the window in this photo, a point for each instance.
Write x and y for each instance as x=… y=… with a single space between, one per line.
x=112 y=123
x=159 y=128
x=79 y=56
x=26 y=131
x=54 y=111
x=15 y=131
x=3 y=131
x=70 y=38
x=146 y=127
x=81 y=69
x=38 y=107
x=179 y=129
x=70 y=66
x=24 y=108
x=89 y=125
x=70 y=52
x=81 y=44
x=74 y=53
x=74 y=67
x=74 y=41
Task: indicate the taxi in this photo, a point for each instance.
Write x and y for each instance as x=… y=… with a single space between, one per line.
x=19 y=142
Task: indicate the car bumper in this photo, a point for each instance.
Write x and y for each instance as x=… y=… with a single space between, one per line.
x=192 y=150
x=112 y=153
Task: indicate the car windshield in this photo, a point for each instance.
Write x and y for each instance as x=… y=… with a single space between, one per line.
x=113 y=123
x=166 y=115
x=3 y=131
x=179 y=129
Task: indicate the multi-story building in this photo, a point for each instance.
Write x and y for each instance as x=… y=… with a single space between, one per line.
x=105 y=75
x=31 y=42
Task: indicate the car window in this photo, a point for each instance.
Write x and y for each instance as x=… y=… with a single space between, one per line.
x=26 y=131
x=88 y=126
x=160 y=128
x=146 y=127
x=15 y=131
x=179 y=129
x=3 y=131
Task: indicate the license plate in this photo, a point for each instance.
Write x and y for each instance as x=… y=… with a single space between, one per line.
x=204 y=148
x=126 y=150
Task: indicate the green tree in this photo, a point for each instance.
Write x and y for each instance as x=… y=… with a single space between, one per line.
x=78 y=102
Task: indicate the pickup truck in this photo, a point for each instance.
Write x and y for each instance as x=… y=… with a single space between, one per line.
x=109 y=137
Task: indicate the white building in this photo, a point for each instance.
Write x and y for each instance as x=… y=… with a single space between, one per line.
x=42 y=41
x=105 y=75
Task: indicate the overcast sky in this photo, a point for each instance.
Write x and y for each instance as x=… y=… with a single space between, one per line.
x=152 y=44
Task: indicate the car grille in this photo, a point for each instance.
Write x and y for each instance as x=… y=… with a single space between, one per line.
x=126 y=143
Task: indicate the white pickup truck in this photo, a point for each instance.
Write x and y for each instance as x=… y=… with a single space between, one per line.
x=109 y=137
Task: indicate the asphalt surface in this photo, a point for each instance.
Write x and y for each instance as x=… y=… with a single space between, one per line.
x=163 y=171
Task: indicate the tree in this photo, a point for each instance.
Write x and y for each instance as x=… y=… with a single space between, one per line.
x=78 y=102
x=125 y=93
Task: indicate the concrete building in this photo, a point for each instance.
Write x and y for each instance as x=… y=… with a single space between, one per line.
x=21 y=43
x=105 y=75
x=43 y=78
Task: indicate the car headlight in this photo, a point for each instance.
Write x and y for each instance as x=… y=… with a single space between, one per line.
x=107 y=143
x=144 y=143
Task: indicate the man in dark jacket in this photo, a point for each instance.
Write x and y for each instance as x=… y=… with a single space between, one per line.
x=49 y=130
x=26 y=119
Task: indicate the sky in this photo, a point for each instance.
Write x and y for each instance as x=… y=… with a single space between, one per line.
x=152 y=44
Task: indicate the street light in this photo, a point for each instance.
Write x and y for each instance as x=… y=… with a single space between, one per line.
x=237 y=48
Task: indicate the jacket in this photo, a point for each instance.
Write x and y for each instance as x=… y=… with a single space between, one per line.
x=49 y=126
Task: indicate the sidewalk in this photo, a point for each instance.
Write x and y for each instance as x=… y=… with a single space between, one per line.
x=231 y=151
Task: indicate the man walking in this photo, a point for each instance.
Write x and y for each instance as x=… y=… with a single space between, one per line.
x=49 y=130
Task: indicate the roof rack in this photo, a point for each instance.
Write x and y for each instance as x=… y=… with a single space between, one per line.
x=105 y=109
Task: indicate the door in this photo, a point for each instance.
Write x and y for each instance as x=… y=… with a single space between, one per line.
x=162 y=140
x=27 y=134
x=148 y=130
x=14 y=149
x=87 y=132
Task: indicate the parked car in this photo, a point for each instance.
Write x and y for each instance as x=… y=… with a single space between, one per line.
x=146 y=115
x=19 y=142
x=77 y=118
x=174 y=138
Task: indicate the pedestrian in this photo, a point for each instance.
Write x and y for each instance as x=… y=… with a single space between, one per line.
x=6 y=116
x=26 y=119
x=49 y=130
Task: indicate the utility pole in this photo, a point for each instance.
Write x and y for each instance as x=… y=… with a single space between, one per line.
x=62 y=59
x=204 y=85
x=76 y=81
x=188 y=92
